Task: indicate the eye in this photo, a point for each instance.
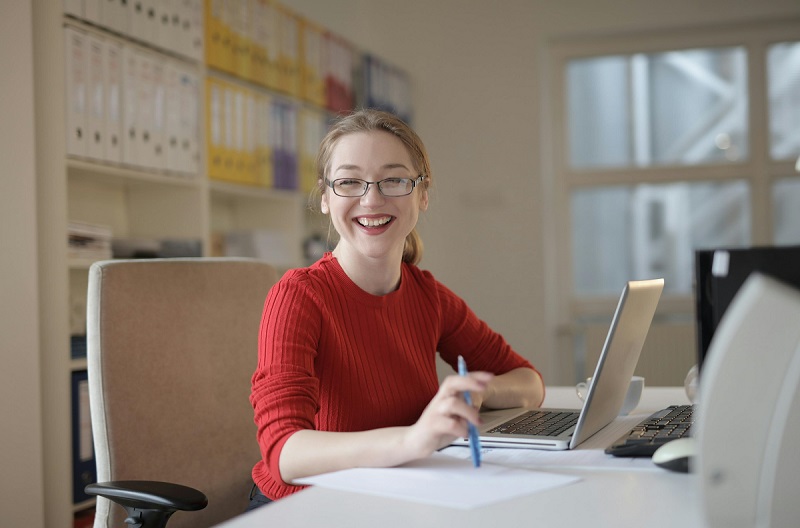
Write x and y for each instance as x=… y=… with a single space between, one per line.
x=344 y=182
x=396 y=186
x=396 y=181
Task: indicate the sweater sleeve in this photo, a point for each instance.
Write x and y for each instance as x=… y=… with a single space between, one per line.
x=285 y=388
x=463 y=333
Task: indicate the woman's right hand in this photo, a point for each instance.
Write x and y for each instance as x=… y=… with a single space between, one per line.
x=445 y=418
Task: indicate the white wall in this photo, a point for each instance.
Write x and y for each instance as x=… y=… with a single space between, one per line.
x=21 y=484
x=478 y=71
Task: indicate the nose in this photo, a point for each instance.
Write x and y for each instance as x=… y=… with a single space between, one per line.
x=373 y=194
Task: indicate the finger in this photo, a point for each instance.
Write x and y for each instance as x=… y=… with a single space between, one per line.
x=456 y=407
x=474 y=381
x=454 y=427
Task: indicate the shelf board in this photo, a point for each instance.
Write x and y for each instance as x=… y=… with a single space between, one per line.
x=78 y=364
x=234 y=190
x=82 y=263
x=84 y=505
x=108 y=173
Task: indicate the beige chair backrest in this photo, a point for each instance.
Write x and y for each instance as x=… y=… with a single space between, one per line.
x=172 y=345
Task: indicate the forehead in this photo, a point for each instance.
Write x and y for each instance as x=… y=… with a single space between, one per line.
x=370 y=150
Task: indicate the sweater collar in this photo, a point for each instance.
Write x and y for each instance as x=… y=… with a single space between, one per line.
x=347 y=285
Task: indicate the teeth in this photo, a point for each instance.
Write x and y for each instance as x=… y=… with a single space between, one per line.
x=374 y=222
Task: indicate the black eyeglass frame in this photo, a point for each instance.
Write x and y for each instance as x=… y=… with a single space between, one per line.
x=414 y=182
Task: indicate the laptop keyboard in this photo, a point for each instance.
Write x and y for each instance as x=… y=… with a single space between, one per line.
x=539 y=423
x=656 y=430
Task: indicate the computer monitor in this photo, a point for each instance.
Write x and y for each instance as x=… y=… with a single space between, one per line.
x=719 y=273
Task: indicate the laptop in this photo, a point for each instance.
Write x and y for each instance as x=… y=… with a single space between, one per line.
x=562 y=429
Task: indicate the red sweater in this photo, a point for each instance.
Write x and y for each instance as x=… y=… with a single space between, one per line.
x=333 y=357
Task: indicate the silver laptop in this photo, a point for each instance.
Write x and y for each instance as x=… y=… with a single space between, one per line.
x=560 y=429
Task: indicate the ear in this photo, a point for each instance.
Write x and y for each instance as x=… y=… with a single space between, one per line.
x=423 y=200
x=323 y=204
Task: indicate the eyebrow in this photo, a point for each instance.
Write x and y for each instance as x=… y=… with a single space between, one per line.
x=384 y=167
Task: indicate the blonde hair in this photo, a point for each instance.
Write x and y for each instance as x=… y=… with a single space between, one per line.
x=368 y=120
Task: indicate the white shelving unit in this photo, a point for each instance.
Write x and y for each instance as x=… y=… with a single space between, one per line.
x=134 y=203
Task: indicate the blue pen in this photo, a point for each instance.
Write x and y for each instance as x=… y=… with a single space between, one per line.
x=474 y=441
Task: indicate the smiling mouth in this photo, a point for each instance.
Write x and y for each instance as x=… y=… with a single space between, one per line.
x=374 y=222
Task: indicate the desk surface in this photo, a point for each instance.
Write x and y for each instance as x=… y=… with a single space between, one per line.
x=603 y=498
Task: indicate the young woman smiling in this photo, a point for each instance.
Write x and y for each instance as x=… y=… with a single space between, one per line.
x=346 y=373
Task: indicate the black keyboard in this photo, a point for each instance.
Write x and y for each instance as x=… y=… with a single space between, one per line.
x=656 y=430
x=538 y=423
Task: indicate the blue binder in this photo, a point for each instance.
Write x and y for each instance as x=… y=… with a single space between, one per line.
x=83 y=463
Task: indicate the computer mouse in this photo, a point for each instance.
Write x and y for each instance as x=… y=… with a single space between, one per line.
x=676 y=455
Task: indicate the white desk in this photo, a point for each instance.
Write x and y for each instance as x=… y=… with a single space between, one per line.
x=603 y=499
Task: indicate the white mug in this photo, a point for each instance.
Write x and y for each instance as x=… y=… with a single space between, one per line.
x=632 y=397
x=690 y=383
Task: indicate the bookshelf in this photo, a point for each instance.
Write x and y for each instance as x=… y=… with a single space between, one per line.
x=146 y=199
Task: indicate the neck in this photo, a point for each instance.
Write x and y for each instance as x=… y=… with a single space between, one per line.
x=377 y=276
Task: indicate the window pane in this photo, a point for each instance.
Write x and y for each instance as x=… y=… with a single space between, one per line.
x=786 y=200
x=783 y=85
x=588 y=83
x=674 y=108
x=647 y=231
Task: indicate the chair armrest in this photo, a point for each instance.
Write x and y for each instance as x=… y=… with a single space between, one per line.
x=149 y=503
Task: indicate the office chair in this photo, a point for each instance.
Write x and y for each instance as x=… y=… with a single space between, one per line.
x=172 y=344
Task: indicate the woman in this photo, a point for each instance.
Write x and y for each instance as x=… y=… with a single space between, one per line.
x=346 y=372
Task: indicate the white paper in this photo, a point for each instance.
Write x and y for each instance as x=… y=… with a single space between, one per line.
x=443 y=481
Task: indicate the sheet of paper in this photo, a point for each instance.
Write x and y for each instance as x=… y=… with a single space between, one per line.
x=443 y=481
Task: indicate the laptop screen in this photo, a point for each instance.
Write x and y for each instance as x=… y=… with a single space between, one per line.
x=719 y=273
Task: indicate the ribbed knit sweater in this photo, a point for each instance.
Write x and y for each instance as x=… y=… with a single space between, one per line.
x=333 y=357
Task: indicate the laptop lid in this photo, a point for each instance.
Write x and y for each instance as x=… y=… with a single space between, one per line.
x=612 y=374
x=623 y=345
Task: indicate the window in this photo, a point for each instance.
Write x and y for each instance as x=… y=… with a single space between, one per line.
x=783 y=83
x=683 y=113
x=663 y=144
x=683 y=107
x=786 y=211
x=650 y=230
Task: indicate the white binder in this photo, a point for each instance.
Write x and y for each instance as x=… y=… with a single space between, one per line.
x=150 y=21
x=164 y=34
x=115 y=15
x=74 y=8
x=137 y=19
x=177 y=40
x=172 y=117
x=95 y=102
x=130 y=114
x=76 y=87
x=145 y=106
x=92 y=11
x=158 y=129
x=113 y=101
x=193 y=33
x=190 y=122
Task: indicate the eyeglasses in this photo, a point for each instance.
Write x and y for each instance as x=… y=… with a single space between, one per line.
x=392 y=187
